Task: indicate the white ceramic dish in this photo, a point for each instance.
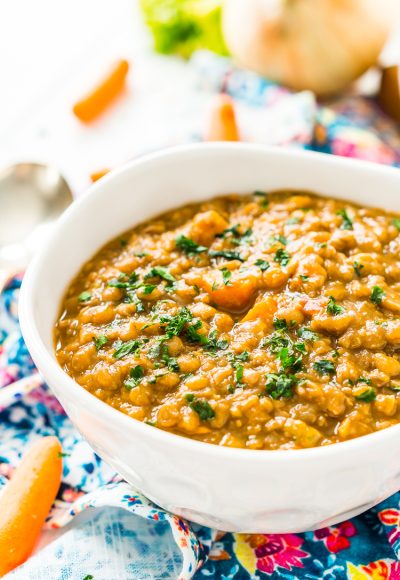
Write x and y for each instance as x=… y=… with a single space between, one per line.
x=230 y=489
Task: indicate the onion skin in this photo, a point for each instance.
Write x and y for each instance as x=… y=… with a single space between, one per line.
x=319 y=45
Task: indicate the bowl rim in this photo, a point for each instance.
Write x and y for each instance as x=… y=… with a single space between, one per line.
x=40 y=352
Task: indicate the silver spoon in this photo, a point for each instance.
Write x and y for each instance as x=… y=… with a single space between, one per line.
x=32 y=196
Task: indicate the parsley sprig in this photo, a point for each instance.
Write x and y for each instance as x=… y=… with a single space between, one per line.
x=201 y=406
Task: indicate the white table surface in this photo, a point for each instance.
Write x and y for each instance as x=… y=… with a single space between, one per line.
x=51 y=52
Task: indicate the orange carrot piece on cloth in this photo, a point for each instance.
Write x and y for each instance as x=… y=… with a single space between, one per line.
x=26 y=501
x=91 y=106
x=222 y=122
x=98 y=174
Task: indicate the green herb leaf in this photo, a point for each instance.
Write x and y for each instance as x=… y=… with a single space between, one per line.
x=189 y=246
x=193 y=336
x=357 y=268
x=364 y=380
x=227 y=254
x=289 y=360
x=304 y=278
x=333 y=308
x=262 y=264
x=126 y=348
x=282 y=257
x=135 y=376
x=396 y=223
x=161 y=273
x=201 y=407
x=169 y=361
x=226 y=275
x=280 y=239
x=214 y=343
x=292 y=221
x=280 y=385
x=307 y=334
x=377 y=295
x=100 y=341
x=239 y=373
x=148 y=288
x=367 y=396
x=347 y=223
x=260 y=193
x=174 y=325
x=280 y=324
x=234 y=231
x=84 y=296
x=324 y=367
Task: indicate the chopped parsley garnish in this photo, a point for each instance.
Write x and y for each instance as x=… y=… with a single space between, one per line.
x=289 y=359
x=148 y=288
x=304 y=278
x=236 y=361
x=84 y=296
x=189 y=246
x=259 y=193
x=227 y=254
x=123 y=242
x=276 y=341
x=200 y=406
x=174 y=325
x=324 y=367
x=161 y=273
x=292 y=221
x=89 y=577
x=239 y=373
x=377 y=295
x=347 y=223
x=214 y=343
x=396 y=223
x=282 y=257
x=280 y=239
x=262 y=264
x=100 y=341
x=125 y=282
x=233 y=231
x=170 y=361
x=61 y=454
x=357 y=268
x=307 y=334
x=126 y=348
x=364 y=380
x=193 y=336
x=226 y=275
x=333 y=308
x=280 y=385
x=367 y=396
x=280 y=324
x=135 y=376
x=179 y=324
x=132 y=297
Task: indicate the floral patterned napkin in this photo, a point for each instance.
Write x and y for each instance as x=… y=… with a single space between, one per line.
x=106 y=542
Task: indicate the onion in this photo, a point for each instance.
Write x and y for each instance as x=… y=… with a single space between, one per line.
x=321 y=45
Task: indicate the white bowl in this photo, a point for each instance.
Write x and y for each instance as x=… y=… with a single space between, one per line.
x=229 y=489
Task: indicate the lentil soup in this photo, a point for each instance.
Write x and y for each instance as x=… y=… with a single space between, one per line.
x=268 y=321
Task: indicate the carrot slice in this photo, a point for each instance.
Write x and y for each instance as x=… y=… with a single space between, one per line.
x=222 y=123
x=98 y=174
x=91 y=106
x=26 y=501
